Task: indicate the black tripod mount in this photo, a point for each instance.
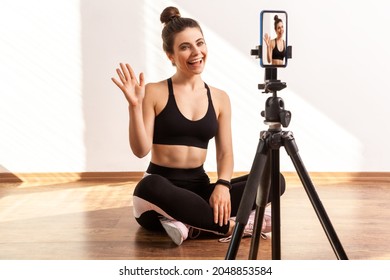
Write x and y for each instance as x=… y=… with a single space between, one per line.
x=264 y=177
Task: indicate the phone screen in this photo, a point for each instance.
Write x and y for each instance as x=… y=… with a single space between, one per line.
x=273 y=39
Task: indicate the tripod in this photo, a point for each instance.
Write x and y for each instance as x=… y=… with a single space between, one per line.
x=264 y=177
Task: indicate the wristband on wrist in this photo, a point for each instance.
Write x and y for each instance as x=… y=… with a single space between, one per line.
x=224 y=183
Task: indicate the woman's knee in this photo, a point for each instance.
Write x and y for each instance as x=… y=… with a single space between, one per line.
x=282 y=184
x=148 y=185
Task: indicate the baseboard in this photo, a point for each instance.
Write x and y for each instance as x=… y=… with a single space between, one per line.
x=7 y=177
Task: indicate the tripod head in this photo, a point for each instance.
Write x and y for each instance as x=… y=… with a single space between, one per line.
x=274 y=113
x=271 y=82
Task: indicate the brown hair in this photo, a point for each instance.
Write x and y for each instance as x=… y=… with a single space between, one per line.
x=173 y=24
x=276 y=21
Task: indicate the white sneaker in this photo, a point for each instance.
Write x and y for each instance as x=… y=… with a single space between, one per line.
x=267 y=221
x=248 y=230
x=176 y=230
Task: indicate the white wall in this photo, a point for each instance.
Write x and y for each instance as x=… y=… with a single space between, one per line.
x=60 y=112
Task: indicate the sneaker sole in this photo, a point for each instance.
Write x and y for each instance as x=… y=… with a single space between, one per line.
x=174 y=233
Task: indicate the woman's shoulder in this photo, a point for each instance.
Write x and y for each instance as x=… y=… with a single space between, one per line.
x=220 y=98
x=156 y=85
x=218 y=93
x=155 y=92
x=156 y=88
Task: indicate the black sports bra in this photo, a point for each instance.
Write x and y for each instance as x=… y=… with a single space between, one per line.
x=172 y=128
x=276 y=54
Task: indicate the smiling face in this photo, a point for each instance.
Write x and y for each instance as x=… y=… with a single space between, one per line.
x=279 y=29
x=189 y=51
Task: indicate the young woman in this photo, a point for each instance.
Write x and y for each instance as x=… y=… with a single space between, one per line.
x=276 y=48
x=174 y=119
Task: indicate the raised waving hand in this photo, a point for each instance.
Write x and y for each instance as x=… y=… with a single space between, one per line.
x=133 y=89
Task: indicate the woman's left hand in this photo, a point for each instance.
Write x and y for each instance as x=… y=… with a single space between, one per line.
x=220 y=202
x=267 y=39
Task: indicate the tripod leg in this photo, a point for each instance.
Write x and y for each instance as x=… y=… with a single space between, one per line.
x=255 y=242
x=292 y=151
x=261 y=203
x=248 y=196
x=275 y=187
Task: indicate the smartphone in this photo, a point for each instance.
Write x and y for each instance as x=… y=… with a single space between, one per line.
x=273 y=39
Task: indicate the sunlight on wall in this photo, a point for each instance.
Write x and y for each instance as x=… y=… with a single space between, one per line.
x=41 y=120
x=322 y=143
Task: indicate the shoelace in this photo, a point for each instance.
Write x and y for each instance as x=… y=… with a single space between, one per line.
x=193 y=233
x=248 y=230
x=246 y=234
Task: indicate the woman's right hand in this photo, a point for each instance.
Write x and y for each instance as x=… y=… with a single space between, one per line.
x=133 y=90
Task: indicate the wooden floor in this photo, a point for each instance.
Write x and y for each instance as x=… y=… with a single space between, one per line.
x=70 y=218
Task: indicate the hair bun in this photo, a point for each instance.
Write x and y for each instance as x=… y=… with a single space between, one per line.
x=276 y=18
x=169 y=14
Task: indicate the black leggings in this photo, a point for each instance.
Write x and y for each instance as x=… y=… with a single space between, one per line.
x=183 y=195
